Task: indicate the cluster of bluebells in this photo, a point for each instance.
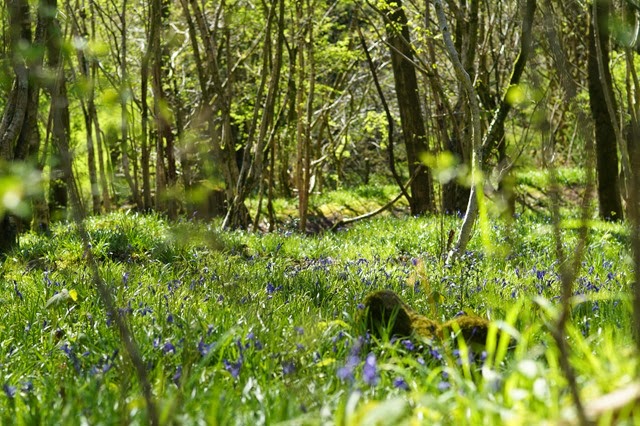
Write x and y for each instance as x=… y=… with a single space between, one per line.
x=10 y=391
x=370 y=373
x=234 y=366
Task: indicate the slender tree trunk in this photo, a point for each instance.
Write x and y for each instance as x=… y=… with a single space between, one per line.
x=219 y=113
x=84 y=67
x=455 y=196
x=483 y=145
x=145 y=152
x=301 y=127
x=91 y=106
x=252 y=164
x=58 y=189
x=165 y=157
x=610 y=202
x=124 y=116
x=409 y=101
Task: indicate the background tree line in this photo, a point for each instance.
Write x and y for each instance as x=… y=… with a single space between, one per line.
x=191 y=107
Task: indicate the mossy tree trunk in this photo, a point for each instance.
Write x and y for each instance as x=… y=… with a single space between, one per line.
x=19 y=135
x=599 y=76
x=409 y=104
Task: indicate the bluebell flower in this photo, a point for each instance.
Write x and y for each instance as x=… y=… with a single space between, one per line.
x=338 y=336
x=400 y=383
x=299 y=330
x=72 y=356
x=288 y=367
x=145 y=310
x=360 y=306
x=357 y=347
x=170 y=318
x=168 y=347
x=346 y=372
x=370 y=371
x=177 y=376
x=443 y=386
x=203 y=348
x=233 y=367
x=18 y=293
x=408 y=344
x=9 y=390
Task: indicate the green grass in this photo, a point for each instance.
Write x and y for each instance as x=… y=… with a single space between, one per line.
x=242 y=328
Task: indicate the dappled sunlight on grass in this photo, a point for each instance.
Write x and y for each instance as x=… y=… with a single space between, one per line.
x=250 y=328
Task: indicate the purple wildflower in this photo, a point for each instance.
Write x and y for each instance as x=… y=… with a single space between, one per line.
x=177 y=376
x=370 y=371
x=203 y=348
x=72 y=356
x=168 y=347
x=233 y=367
x=400 y=383
x=288 y=367
x=408 y=344
x=9 y=390
x=18 y=293
x=346 y=372
x=443 y=386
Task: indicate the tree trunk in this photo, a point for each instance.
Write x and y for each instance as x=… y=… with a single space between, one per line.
x=58 y=190
x=84 y=67
x=455 y=196
x=411 y=119
x=124 y=116
x=610 y=202
x=252 y=164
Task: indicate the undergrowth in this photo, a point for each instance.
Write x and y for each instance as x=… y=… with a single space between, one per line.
x=250 y=328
